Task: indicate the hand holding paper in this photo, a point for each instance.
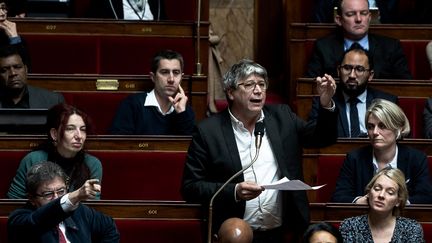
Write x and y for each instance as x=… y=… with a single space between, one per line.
x=293 y=185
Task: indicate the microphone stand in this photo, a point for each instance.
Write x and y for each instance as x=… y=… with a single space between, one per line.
x=259 y=134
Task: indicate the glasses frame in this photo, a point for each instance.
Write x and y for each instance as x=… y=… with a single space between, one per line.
x=356 y=68
x=49 y=195
x=248 y=86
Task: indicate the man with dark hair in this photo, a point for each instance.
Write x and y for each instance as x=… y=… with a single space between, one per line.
x=14 y=90
x=353 y=18
x=162 y=111
x=54 y=215
x=355 y=72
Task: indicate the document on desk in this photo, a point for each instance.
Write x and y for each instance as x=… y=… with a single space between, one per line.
x=291 y=185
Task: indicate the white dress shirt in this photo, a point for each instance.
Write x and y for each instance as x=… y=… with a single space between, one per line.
x=265 y=211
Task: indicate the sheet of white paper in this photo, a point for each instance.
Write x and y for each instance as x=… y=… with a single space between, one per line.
x=291 y=185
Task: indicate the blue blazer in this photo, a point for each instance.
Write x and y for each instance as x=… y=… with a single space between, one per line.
x=357 y=170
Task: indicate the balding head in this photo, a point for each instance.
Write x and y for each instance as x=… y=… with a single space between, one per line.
x=235 y=230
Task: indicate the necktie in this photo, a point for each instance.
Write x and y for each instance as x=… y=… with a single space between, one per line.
x=62 y=238
x=355 y=45
x=354 y=119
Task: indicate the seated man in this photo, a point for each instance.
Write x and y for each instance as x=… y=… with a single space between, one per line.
x=353 y=17
x=162 y=111
x=14 y=90
x=53 y=215
x=353 y=95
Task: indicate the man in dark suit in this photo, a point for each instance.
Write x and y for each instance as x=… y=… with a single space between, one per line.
x=224 y=144
x=53 y=215
x=115 y=9
x=353 y=17
x=355 y=72
x=14 y=90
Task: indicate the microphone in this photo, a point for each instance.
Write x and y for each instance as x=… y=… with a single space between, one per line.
x=259 y=133
x=113 y=9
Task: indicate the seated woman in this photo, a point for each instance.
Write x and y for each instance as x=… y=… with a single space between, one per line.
x=67 y=132
x=386 y=195
x=322 y=232
x=386 y=124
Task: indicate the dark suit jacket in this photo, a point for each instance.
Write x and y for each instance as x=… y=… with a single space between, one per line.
x=102 y=9
x=42 y=98
x=213 y=157
x=84 y=224
x=357 y=170
x=388 y=57
x=427 y=118
x=338 y=98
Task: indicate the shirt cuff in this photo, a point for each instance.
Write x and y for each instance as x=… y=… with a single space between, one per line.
x=15 y=40
x=67 y=205
x=332 y=108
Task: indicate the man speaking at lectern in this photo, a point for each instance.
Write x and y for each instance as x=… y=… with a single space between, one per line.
x=224 y=144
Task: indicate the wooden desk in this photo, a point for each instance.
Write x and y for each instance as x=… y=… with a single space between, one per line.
x=336 y=212
x=128 y=209
x=143 y=143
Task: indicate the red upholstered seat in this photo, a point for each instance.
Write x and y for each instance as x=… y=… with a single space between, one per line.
x=101 y=106
x=9 y=164
x=60 y=54
x=160 y=231
x=3 y=230
x=132 y=54
x=141 y=175
x=328 y=168
x=85 y=54
x=418 y=63
x=413 y=108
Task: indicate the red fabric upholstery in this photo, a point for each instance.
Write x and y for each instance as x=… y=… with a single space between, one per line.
x=328 y=168
x=160 y=230
x=9 y=165
x=58 y=54
x=101 y=106
x=141 y=175
x=3 y=230
x=413 y=108
x=133 y=54
x=63 y=54
x=418 y=63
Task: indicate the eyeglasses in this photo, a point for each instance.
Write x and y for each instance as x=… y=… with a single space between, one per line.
x=249 y=86
x=48 y=195
x=347 y=69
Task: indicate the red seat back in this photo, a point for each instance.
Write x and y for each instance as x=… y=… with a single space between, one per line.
x=139 y=175
x=9 y=163
x=328 y=168
x=413 y=108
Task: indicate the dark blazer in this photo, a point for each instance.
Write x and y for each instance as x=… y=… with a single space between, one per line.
x=388 y=57
x=213 y=157
x=427 y=118
x=339 y=99
x=42 y=98
x=102 y=9
x=357 y=170
x=84 y=224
